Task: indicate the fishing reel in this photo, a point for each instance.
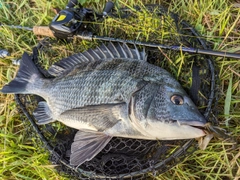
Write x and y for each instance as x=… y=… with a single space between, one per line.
x=69 y=22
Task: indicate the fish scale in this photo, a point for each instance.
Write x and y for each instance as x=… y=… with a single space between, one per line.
x=163 y=113
x=85 y=91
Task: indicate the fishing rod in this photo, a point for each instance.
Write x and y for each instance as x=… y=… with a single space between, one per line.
x=68 y=24
x=46 y=31
x=155 y=45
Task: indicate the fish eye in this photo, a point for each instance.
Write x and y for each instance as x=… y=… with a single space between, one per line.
x=177 y=99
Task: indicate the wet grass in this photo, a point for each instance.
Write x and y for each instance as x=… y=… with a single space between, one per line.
x=218 y=22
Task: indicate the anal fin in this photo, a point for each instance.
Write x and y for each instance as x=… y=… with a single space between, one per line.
x=43 y=114
x=86 y=145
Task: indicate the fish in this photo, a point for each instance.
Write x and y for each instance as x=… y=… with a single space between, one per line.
x=109 y=91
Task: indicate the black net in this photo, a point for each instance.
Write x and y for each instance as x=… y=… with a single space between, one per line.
x=132 y=158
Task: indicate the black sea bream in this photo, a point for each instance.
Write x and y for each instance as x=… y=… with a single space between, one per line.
x=106 y=92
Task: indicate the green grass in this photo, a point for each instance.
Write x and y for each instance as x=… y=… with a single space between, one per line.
x=218 y=21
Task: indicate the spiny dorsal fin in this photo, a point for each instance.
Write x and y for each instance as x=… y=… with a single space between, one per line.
x=101 y=53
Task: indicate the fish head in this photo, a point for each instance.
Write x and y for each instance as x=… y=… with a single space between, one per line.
x=167 y=113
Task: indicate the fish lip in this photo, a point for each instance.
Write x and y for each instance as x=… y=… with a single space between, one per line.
x=196 y=124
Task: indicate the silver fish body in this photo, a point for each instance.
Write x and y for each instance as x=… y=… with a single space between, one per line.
x=106 y=92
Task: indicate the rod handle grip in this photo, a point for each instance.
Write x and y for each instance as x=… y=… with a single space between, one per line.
x=43 y=30
x=108 y=7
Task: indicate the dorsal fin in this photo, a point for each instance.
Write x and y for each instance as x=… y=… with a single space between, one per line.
x=101 y=53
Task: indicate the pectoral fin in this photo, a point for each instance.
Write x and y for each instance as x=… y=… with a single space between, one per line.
x=86 y=145
x=95 y=117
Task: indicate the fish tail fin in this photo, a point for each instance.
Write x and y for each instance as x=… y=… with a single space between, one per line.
x=23 y=83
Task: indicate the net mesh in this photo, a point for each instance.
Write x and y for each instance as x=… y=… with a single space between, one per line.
x=122 y=157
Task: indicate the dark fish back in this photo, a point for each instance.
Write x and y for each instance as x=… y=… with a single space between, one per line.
x=110 y=82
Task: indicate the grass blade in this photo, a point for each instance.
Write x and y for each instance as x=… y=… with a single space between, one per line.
x=228 y=101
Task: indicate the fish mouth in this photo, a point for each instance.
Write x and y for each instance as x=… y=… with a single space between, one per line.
x=195 y=124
